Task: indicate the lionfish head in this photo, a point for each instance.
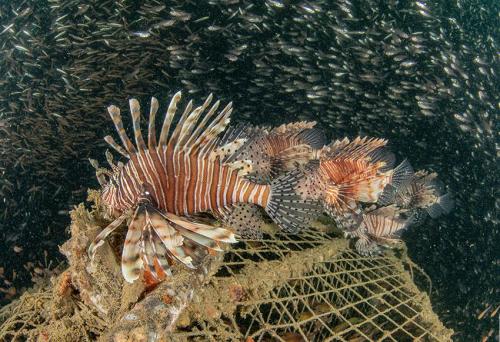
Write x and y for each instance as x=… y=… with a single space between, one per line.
x=108 y=179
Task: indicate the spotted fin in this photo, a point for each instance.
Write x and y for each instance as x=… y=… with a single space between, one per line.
x=246 y=219
x=287 y=208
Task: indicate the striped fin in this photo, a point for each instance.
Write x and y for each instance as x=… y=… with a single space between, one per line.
x=114 y=112
x=99 y=240
x=161 y=255
x=190 y=123
x=109 y=159
x=173 y=140
x=100 y=173
x=443 y=205
x=359 y=148
x=135 y=110
x=208 y=137
x=366 y=246
x=148 y=252
x=294 y=127
x=214 y=233
x=109 y=139
x=202 y=125
x=132 y=262
x=152 y=121
x=169 y=236
x=167 y=122
x=402 y=174
x=313 y=137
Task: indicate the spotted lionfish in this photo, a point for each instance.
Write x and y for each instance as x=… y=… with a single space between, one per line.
x=190 y=170
x=274 y=151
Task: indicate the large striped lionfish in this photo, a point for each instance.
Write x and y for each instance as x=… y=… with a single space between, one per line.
x=190 y=170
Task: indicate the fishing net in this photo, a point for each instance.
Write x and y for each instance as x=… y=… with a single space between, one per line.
x=306 y=287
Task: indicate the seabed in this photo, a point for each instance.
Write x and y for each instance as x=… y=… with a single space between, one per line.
x=306 y=287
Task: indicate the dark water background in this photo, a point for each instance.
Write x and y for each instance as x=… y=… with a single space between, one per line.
x=423 y=75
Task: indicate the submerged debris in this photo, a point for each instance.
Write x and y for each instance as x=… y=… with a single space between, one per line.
x=260 y=289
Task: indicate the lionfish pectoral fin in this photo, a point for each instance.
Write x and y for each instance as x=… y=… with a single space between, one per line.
x=168 y=235
x=99 y=240
x=289 y=158
x=203 y=234
x=387 y=196
x=443 y=205
x=288 y=209
x=132 y=262
x=367 y=247
x=313 y=137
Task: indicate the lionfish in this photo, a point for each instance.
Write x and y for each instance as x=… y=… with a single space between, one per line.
x=349 y=174
x=399 y=207
x=274 y=152
x=423 y=193
x=186 y=172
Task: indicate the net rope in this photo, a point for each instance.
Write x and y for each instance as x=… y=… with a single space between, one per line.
x=307 y=287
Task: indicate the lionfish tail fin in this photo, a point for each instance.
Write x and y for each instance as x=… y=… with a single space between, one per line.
x=287 y=209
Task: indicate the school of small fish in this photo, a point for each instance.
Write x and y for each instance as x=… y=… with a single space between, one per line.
x=422 y=74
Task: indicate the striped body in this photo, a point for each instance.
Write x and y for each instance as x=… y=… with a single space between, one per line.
x=354 y=171
x=189 y=170
x=183 y=184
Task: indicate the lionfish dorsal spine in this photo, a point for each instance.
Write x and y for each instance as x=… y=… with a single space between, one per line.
x=200 y=128
x=152 y=124
x=111 y=142
x=167 y=122
x=135 y=111
x=174 y=138
x=114 y=112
